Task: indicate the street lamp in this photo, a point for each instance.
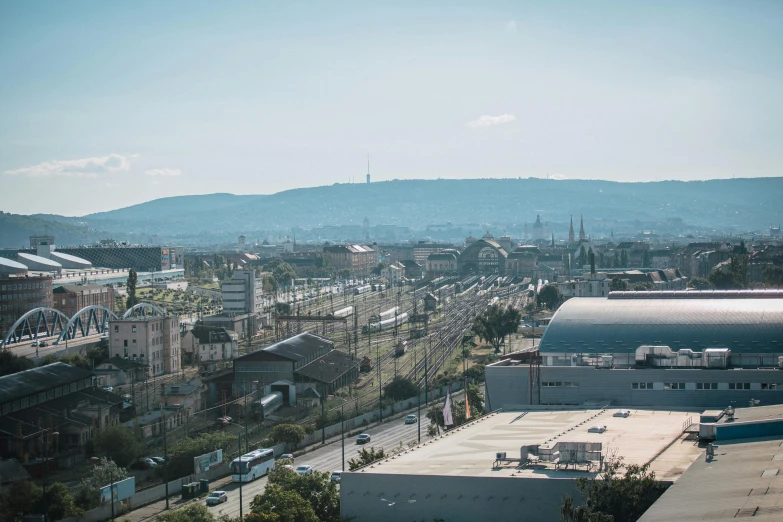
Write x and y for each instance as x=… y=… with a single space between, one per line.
x=111 y=485
x=239 y=448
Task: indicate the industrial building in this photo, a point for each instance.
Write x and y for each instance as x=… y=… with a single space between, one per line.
x=512 y=466
x=661 y=349
x=243 y=293
x=150 y=340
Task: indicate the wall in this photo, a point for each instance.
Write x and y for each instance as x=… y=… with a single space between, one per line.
x=509 y=387
x=745 y=430
x=451 y=498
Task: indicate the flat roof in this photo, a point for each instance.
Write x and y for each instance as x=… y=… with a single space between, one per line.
x=644 y=436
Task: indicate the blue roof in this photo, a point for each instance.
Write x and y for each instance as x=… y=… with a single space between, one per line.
x=622 y=323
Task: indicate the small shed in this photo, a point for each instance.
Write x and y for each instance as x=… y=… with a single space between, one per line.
x=430 y=302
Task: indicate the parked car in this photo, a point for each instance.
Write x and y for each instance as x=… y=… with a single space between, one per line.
x=34 y=344
x=411 y=419
x=217 y=497
x=158 y=460
x=304 y=469
x=336 y=476
x=223 y=421
x=363 y=439
x=289 y=466
x=144 y=463
x=42 y=344
x=286 y=456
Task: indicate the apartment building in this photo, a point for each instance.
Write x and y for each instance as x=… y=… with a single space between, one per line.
x=69 y=299
x=243 y=293
x=360 y=260
x=154 y=341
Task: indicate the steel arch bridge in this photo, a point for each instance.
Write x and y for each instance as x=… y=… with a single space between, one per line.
x=141 y=309
x=97 y=318
x=38 y=322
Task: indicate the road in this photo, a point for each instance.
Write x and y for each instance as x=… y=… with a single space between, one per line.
x=327 y=458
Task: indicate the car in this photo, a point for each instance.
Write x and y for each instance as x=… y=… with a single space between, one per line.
x=363 y=439
x=286 y=456
x=42 y=344
x=304 y=469
x=411 y=419
x=144 y=463
x=289 y=466
x=159 y=460
x=34 y=344
x=336 y=476
x=217 y=497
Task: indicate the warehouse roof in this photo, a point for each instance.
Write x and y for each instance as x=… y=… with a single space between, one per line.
x=743 y=322
x=302 y=348
x=28 y=382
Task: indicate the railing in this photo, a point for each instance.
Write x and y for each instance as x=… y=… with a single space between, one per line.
x=687 y=424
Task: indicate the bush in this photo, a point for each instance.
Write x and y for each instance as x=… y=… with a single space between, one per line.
x=291 y=434
x=183 y=452
x=118 y=443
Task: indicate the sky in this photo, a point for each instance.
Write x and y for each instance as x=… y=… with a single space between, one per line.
x=108 y=104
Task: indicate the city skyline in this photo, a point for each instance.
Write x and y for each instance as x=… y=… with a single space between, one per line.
x=145 y=101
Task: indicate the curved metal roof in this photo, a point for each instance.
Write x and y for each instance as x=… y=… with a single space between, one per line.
x=600 y=325
x=38 y=262
x=8 y=266
x=69 y=261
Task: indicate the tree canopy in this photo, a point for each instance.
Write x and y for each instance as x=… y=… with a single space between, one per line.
x=316 y=489
x=618 y=285
x=699 y=283
x=291 y=434
x=619 y=493
x=549 y=297
x=365 y=457
x=193 y=512
x=278 y=504
x=733 y=277
x=131 y=286
x=12 y=363
x=400 y=388
x=183 y=452
x=119 y=444
x=773 y=275
x=495 y=323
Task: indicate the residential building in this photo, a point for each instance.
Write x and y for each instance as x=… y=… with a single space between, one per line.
x=21 y=293
x=154 y=341
x=69 y=299
x=413 y=269
x=590 y=285
x=240 y=324
x=209 y=346
x=442 y=262
x=394 y=273
x=185 y=395
x=243 y=293
x=118 y=371
x=360 y=260
x=423 y=249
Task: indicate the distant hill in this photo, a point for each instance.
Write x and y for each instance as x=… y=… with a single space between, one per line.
x=15 y=230
x=738 y=205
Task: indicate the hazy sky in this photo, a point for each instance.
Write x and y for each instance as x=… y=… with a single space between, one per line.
x=106 y=104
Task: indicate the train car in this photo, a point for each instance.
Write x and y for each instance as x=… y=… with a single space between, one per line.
x=388 y=314
x=343 y=312
x=268 y=404
x=381 y=326
x=362 y=289
x=400 y=348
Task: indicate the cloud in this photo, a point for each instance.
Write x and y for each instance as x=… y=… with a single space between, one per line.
x=163 y=172
x=490 y=121
x=511 y=26
x=83 y=168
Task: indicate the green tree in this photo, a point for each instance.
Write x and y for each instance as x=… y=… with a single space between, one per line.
x=619 y=493
x=277 y=504
x=270 y=283
x=495 y=323
x=400 y=388
x=106 y=471
x=22 y=497
x=733 y=277
x=194 y=512
x=699 y=283
x=131 y=286
x=119 y=444
x=282 y=271
x=549 y=297
x=773 y=275
x=616 y=259
x=60 y=502
x=181 y=455
x=365 y=457
x=12 y=363
x=291 y=434
x=646 y=259
x=316 y=489
x=283 y=308
x=618 y=285
x=624 y=258
x=381 y=266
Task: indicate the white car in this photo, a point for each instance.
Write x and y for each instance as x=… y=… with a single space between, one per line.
x=217 y=497
x=304 y=470
x=336 y=476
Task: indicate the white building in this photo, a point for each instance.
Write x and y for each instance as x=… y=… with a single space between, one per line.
x=243 y=294
x=154 y=341
x=394 y=273
x=592 y=285
x=210 y=345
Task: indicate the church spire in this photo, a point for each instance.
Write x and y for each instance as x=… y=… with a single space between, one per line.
x=571 y=232
x=581 y=228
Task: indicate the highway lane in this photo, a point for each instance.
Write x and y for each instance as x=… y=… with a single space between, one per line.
x=329 y=458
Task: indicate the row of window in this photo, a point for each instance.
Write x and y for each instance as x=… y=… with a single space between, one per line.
x=32 y=400
x=24 y=286
x=15 y=308
x=557 y=384
x=706 y=386
x=16 y=297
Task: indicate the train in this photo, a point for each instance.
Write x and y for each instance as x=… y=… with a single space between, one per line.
x=380 y=287
x=268 y=404
x=343 y=312
x=362 y=289
x=380 y=326
x=388 y=314
x=400 y=348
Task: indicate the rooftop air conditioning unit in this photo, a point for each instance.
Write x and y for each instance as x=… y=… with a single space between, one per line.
x=500 y=455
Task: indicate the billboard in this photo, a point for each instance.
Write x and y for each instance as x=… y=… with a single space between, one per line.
x=164 y=258
x=207 y=461
x=119 y=490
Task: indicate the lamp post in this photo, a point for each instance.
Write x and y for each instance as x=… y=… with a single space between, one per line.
x=239 y=449
x=111 y=485
x=46 y=467
x=165 y=455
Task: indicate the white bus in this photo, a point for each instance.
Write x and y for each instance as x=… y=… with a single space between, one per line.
x=252 y=465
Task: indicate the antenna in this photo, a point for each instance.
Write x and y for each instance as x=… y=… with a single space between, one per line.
x=368 y=168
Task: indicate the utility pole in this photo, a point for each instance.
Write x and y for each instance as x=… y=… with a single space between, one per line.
x=380 y=389
x=165 y=456
x=418 y=396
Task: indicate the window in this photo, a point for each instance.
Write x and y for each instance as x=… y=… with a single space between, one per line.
x=739 y=385
x=116 y=329
x=133 y=328
x=674 y=386
x=706 y=385
x=642 y=386
x=125 y=343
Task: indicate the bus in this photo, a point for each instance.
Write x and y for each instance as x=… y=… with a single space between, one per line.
x=252 y=465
